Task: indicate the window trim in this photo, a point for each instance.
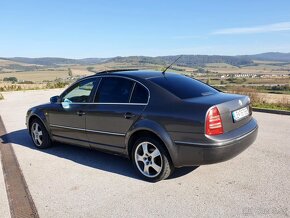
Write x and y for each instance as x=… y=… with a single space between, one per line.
x=129 y=97
x=133 y=88
x=133 y=93
x=73 y=86
x=108 y=103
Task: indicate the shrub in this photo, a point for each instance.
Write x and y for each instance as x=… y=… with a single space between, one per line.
x=69 y=72
x=261 y=102
x=90 y=69
x=26 y=82
x=56 y=85
x=10 y=79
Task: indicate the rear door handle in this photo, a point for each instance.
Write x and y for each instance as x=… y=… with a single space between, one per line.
x=129 y=115
x=81 y=113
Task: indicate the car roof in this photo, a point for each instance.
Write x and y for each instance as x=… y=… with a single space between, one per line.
x=145 y=74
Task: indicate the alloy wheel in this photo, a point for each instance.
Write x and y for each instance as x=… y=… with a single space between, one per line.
x=36 y=133
x=148 y=159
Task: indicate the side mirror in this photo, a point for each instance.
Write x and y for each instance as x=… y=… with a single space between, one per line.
x=66 y=103
x=54 y=99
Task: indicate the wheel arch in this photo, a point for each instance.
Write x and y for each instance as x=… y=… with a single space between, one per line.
x=40 y=117
x=151 y=129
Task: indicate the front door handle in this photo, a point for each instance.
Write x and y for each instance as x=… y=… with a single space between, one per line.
x=129 y=115
x=81 y=113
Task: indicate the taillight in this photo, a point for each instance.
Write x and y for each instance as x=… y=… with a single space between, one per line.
x=214 y=125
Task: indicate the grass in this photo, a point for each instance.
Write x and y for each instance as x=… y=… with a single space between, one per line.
x=264 y=100
x=20 y=87
x=48 y=74
x=271 y=106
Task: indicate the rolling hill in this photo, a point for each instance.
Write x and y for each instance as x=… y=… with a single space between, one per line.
x=185 y=60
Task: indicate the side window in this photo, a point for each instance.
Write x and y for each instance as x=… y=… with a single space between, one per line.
x=114 y=90
x=140 y=94
x=81 y=92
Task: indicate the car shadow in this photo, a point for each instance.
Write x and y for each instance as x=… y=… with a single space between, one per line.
x=87 y=157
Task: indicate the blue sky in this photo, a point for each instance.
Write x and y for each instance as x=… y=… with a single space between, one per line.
x=104 y=28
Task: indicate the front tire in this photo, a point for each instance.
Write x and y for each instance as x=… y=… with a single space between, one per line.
x=151 y=160
x=39 y=134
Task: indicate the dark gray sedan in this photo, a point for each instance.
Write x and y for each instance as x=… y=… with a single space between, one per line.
x=160 y=121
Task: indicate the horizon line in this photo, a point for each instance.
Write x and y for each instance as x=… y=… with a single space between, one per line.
x=126 y=56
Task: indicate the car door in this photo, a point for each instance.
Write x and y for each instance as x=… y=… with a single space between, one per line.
x=67 y=119
x=117 y=105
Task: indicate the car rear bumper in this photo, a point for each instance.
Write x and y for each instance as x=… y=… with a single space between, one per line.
x=220 y=149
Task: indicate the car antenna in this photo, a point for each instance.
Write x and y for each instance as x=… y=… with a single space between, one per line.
x=163 y=72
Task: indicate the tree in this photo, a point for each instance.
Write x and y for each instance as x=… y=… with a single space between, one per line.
x=90 y=69
x=208 y=81
x=10 y=79
x=201 y=70
x=69 y=72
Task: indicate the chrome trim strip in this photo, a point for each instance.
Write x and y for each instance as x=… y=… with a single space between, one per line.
x=104 y=132
x=108 y=103
x=132 y=92
x=88 y=130
x=129 y=79
x=66 y=127
x=190 y=143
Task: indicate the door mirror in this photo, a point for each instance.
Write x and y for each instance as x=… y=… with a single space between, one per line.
x=54 y=99
x=66 y=103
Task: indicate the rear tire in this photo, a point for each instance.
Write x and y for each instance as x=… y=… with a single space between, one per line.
x=151 y=160
x=39 y=134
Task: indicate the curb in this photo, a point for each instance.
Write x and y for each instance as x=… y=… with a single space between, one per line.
x=19 y=198
x=271 y=111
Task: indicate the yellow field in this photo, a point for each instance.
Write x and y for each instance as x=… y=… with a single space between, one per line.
x=40 y=76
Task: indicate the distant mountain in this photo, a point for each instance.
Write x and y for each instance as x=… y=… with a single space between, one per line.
x=51 y=61
x=269 y=56
x=185 y=60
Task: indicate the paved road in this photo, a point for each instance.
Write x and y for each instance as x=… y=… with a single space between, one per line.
x=67 y=181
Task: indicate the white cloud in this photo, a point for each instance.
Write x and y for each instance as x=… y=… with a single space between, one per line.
x=275 y=27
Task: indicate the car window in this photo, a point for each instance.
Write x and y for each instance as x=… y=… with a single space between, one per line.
x=114 y=90
x=81 y=92
x=140 y=94
x=183 y=86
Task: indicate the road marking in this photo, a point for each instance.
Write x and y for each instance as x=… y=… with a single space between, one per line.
x=20 y=201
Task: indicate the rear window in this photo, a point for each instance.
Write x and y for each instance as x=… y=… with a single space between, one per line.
x=183 y=86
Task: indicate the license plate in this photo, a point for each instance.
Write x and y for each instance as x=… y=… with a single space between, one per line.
x=240 y=114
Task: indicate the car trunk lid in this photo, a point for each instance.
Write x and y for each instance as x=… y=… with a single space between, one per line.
x=227 y=104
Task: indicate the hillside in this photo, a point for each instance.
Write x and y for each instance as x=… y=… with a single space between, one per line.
x=185 y=60
x=51 y=61
x=269 y=56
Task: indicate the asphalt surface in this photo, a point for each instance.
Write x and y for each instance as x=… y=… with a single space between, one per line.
x=68 y=181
